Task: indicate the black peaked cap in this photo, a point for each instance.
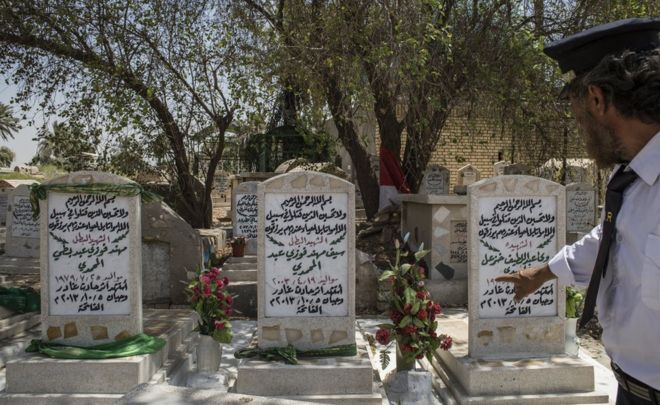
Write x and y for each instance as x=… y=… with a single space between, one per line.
x=583 y=51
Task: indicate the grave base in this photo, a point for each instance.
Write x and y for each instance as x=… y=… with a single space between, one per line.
x=557 y=379
x=324 y=380
x=35 y=378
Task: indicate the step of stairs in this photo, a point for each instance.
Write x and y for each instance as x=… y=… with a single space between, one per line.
x=240 y=275
x=241 y=260
x=19 y=265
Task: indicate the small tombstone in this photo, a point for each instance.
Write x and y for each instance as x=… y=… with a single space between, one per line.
x=516 y=222
x=498 y=167
x=5 y=187
x=306 y=278
x=435 y=181
x=467 y=175
x=516 y=169
x=4 y=198
x=221 y=185
x=580 y=210
x=244 y=214
x=22 y=229
x=90 y=261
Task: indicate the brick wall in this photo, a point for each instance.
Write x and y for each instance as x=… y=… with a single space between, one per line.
x=481 y=140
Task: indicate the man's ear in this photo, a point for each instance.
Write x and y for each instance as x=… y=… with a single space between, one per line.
x=596 y=100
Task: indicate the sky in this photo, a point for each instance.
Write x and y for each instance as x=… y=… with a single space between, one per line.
x=22 y=144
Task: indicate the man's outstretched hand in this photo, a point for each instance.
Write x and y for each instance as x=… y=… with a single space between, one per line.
x=527 y=281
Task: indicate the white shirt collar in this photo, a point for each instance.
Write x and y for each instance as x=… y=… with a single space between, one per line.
x=647 y=161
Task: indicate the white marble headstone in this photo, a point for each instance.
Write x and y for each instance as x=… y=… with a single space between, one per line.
x=22 y=229
x=580 y=207
x=467 y=175
x=244 y=214
x=498 y=167
x=306 y=259
x=91 y=263
x=435 y=181
x=516 y=222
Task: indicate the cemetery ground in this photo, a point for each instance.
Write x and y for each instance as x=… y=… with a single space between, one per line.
x=185 y=386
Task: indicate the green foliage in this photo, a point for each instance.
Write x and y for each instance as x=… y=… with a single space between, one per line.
x=574 y=300
x=69 y=147
x=213 y=304
x=412 y=311
x=18 y=176
x=167 y=74
x=6 y=156
x=384 y=359
x=8 y=123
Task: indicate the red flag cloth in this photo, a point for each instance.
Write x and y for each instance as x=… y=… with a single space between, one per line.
x=392 y=180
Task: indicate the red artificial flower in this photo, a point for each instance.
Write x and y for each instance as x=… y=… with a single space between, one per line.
x=229 y=299
x=205 y=279
x=383 y=336
x=409 y=329
x=437 y=309
x=433 y=334
x=405 y=348
x=396 y=317
x=219 y=324
x=421 y=314
x=420 y=356
x=229 y=311
x=219 y=284
x=207 y=291
x=407 y=308
x=421 y=294
x=225 y=281
x=446 y=343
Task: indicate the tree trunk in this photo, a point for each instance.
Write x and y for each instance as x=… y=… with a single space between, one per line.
x=421 y=143
x=366 y=178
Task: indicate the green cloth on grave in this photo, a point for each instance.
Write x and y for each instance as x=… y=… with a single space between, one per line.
x=132 y=346
x=21 y=300
x=290 y=354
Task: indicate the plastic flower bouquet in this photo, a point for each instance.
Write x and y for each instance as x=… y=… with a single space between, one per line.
x=213 y=304
x=412 y=312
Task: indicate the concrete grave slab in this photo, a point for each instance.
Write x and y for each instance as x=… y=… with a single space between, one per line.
x=171 y=248
x=440 y=222
x=553 y=379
